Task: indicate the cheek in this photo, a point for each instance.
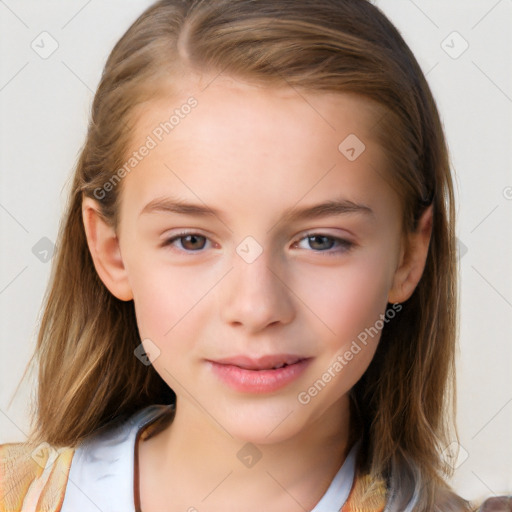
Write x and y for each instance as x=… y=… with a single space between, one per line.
x=351 y=302
x=166 y=311
x=164 y=298
x=346 y=300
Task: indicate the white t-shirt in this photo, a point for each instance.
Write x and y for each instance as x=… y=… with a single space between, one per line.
x=101 y=477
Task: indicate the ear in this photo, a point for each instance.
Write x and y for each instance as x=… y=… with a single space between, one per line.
x=105 y=252
x=412 y=259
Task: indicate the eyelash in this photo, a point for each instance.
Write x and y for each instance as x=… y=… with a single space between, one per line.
x=344 y=246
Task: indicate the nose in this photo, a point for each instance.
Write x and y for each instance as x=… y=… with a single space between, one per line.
x=256 y=295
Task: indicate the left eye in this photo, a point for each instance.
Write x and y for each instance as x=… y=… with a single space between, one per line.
x=323 y=243
x=189 y=241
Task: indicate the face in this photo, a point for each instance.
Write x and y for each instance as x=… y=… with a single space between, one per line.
x=251 y=240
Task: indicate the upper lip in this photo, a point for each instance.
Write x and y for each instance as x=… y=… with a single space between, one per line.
x=266 y=362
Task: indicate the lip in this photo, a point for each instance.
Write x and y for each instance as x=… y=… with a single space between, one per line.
x=260 y=375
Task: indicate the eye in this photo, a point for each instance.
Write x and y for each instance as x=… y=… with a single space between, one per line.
x=188 y=242
x=324 y=243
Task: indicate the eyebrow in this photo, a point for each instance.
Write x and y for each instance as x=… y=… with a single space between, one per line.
x=327 y=208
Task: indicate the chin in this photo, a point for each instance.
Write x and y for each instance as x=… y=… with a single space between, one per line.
x=263 y=423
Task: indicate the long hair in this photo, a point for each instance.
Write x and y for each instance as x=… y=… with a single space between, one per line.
x=88 y=374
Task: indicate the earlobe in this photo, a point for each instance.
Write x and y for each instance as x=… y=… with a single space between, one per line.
x=413 y=259
x=105 y=251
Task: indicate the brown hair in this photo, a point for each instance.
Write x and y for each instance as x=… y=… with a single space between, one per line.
x=88 y=374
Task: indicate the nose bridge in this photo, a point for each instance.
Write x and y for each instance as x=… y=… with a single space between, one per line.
x=256 y=296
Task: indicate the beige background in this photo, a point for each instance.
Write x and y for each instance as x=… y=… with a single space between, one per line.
x=45 y=102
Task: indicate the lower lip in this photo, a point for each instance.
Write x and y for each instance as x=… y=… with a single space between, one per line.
x=259 y=381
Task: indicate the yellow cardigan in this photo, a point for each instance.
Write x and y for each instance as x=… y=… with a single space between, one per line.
x=32 y=482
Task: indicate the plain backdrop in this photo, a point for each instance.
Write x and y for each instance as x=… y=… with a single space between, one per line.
x=463 y=47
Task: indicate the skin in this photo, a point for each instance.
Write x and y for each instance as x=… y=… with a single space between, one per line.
x=253 y=153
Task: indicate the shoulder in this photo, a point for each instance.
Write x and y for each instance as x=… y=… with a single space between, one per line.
x=33 y=474
x=103 y=469
x=34 y=477
x=497 y=504
x=449 y=501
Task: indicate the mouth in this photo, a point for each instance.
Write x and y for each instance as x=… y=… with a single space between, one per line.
x=259 y=375
x=269 y=362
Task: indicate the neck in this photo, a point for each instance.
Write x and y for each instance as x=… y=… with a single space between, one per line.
x=195 y=457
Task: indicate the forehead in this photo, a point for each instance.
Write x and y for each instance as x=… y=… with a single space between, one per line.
x=237 y=102
x=270 y=141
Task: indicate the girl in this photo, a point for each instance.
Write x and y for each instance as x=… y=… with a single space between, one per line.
x=253 y=304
